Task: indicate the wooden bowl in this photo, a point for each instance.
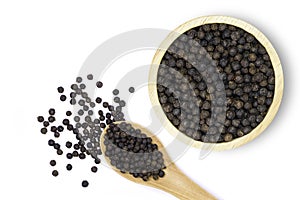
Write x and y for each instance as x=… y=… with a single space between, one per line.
x=278 y=92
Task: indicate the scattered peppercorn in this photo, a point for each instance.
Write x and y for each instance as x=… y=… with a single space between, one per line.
x=66 y=122
x=85 y=183
x=105 y=104
x=78 y=79
x=69 y=167
x=131 y=89
x=46 y=124
x=90 y=77
x=59 y=152
x=69 y=156
x=117 y=99
x=99 y=84
x=82 y=86
x=56 y=146
x=51 y=142
x=122 y=103
x=40 y=118
x=44 y=130
x=98 y=100
x=115 y=91
x=76 y=146
x=54 y=173
x=69 y=144
x=94 y=169
x=51 y=111
x=82 y=156
x=87 y=132
x=53 y=128
x=60 y=128
x=63 y=97
x=60 y=89
x=68 y=113
x=51 y=119
x=52 y=162
x=97 y=161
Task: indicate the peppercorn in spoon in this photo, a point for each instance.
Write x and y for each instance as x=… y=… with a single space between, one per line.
x=137 y=155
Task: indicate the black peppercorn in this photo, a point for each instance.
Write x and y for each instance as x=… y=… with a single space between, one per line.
x=115 y=92
x=53 y=128
x=46 y=124
x=85 y=183
x=60 y=128
x=131 y=89
x=69 y=167
x=59 y=152
x=76 y=146
x=78 y=79
x=117 y=99
x=122 y=103
x=68 y=113
x=51 y=111
x=94 y=169
x=82 y=156
x=51 y=142
x=98 y=100
x=62 y=97
x=97 y=161
x=56 y=146
x=82 y=86
x=99 y=84
x=44 y=130
x=90 y=76
x=40 y=118
x=111 y=108
x=69 y=156
x=66 y=122
x=80 y=112
x=74 y=86
x=105 y=104
x=60 y=89
x=54 y=173
x=70 y=127
x=75 y=154
x=72 y=95
x=68 y=144
x=161 y=173
x=52 y=162
x=56 y=134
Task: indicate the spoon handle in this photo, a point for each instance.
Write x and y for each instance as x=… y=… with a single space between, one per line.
x=182 y=187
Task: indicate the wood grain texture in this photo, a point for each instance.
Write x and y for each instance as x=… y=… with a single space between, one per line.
x=174 y=181
x=279 y=81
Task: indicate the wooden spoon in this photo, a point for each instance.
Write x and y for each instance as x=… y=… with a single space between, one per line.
x=174 y=181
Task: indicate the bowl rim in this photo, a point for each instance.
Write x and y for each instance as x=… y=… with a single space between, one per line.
x=278 y=91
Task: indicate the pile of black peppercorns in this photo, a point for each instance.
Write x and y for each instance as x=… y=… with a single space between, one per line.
x=131 y=151
x=85 y=124
x=196 y=60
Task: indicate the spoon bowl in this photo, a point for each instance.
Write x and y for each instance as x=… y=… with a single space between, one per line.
x=174 y=181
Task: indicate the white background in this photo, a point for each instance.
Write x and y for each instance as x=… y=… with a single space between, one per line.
x=43 y=45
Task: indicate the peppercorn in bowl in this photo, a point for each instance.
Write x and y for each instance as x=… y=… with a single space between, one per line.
x=216 y=80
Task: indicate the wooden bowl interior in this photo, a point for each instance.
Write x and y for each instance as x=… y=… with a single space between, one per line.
x=278 y=92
